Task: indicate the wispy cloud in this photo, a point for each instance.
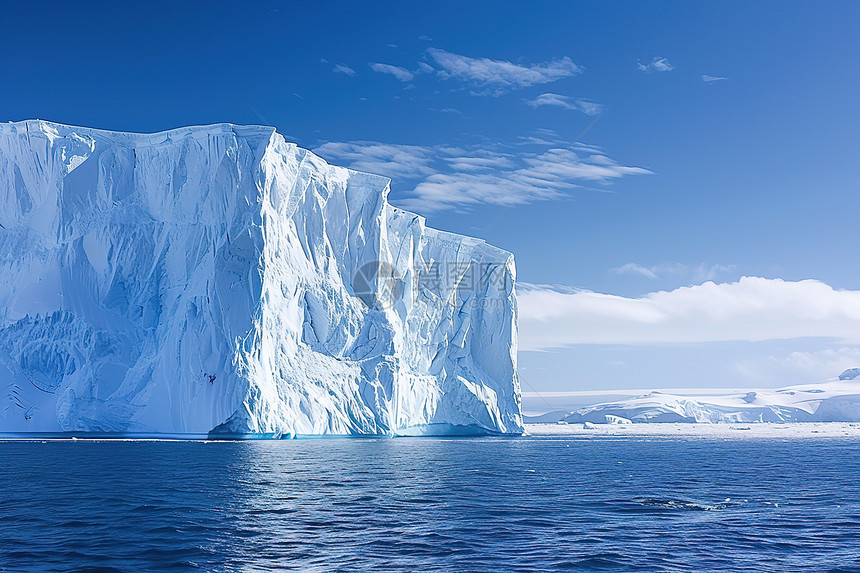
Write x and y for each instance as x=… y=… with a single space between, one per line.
x=543 y=136
x=343 y=69
x=589 y=107
x=500 y=75
x=448 y=177
x=834 y=360
x=698 y=273
x=401 y=74
x=801 y=366
x=634 y=269
x=830 y=360
x=556 y=100
x=751 y=309
x=712 y=79
x=394 y=161
x=656 y=65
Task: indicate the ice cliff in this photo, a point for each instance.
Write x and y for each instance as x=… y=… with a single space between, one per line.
x=220 y=280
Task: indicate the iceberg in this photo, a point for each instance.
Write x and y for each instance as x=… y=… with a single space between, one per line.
x=221 y=281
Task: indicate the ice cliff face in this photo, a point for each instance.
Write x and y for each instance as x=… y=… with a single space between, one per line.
x=221 y=280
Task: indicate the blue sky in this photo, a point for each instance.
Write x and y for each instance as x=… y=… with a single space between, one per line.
x=617 y=148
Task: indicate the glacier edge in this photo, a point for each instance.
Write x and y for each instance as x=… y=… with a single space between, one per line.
x=218 y=279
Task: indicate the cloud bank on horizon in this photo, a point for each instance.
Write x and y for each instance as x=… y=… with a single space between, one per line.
x=750 y=309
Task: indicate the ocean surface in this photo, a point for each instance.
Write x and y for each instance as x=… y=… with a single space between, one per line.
x=484 y=504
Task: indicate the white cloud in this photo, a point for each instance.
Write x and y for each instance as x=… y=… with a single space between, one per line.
x=343 y=69
x=589 y=107
x=543 y=137
x=712 y=79
x=551 y=99
x=798 y=367
x=656 y=65
x=829 y=360
x=635 y=269
x=401 y=74
x=456 y=177
x=556 y=100
x=832 y=361
x=699 y=273
x=751 y=309
x=500 y=75
x=395 y=161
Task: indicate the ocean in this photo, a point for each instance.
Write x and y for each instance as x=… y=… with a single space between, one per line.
x=628 y=503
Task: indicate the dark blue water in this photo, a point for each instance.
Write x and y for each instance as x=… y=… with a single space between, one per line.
x=431 y=504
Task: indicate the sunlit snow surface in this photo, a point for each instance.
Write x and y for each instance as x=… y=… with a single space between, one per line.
x=220 y=279
x=833 y=400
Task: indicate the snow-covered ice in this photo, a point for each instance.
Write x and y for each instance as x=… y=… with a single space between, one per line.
x=767 y=430
x=833 y=400
x=220 y=279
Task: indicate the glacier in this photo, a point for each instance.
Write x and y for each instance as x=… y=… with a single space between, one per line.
x=221 y=281
x=832 y=400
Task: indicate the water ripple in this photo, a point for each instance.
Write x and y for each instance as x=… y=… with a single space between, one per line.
x=530 y=504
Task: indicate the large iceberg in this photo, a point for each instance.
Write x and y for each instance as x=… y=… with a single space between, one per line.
x=219 y=280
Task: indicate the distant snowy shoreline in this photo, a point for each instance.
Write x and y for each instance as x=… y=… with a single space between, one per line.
x=792 y=430
x=832 y=400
